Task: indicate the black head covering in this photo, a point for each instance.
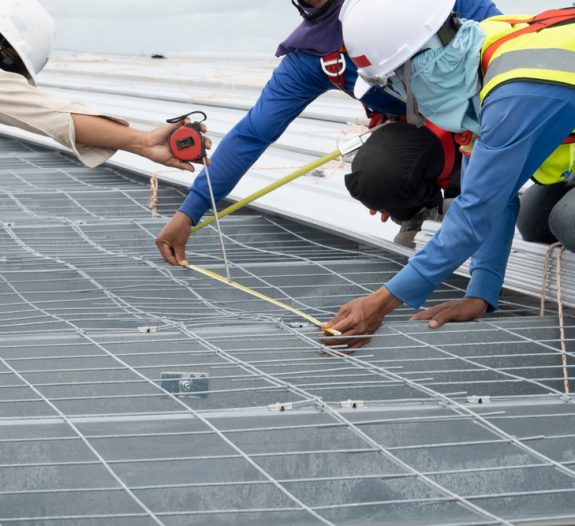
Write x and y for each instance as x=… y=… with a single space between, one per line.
x=396 y=169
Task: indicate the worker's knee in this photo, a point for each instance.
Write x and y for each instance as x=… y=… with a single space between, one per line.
x=396 y=170
x=542 y=207
x=533 y=227
x=561 y=220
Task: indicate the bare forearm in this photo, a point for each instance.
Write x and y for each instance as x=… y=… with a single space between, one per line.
x=104 y=133
x=107 y=134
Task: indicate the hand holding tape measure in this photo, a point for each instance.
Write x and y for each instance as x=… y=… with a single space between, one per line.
x=187 y=141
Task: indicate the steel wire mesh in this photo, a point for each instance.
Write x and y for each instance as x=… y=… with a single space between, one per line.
x=464 y=425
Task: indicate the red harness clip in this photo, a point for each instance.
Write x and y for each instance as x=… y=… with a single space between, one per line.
x=464 y=138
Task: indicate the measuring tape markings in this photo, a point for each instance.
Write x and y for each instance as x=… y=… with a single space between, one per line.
x=259 y=295
x=187 y=143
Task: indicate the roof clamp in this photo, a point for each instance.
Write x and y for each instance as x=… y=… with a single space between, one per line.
x=478 y=399
x=186 y=385
x=280 y=408
x=352 y=404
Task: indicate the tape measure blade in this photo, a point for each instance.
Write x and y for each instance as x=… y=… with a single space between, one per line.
x=252 y=292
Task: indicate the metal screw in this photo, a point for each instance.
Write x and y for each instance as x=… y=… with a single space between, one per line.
x=186 y=385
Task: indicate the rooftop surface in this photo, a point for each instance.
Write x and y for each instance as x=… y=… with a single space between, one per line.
x=133 y=393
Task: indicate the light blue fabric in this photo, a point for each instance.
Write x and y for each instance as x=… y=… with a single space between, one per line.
x=445 y=81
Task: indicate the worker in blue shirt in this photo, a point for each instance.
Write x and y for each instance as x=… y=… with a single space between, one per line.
x=296 y=82
x=519 y=115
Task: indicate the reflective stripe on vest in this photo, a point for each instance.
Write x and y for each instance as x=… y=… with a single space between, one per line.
x=538 y=49
x=534 y=64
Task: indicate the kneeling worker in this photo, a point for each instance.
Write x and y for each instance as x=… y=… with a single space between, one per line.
x=519 y=115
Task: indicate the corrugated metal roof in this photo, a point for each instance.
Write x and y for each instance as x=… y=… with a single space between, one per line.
x=136 y=393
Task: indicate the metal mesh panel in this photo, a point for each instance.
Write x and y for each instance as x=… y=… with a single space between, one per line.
x=135 y=393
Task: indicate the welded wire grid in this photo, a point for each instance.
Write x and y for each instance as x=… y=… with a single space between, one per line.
x=132 y=393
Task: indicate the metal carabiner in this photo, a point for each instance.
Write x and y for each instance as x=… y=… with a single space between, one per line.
x=340 y=61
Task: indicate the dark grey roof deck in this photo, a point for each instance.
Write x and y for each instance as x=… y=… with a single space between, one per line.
x=466 y=425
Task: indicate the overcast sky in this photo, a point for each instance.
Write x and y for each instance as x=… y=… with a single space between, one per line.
x=154 y=26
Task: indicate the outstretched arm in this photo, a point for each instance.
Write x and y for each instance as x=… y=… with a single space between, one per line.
x=93 y=137
x=295 y=83
x=101 y=132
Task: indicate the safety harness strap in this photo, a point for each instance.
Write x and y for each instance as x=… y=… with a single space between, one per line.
x=537 y=23
x=545 y=20
x=334 y=65
x=449 y=152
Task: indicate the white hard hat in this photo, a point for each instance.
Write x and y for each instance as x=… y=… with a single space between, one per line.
x=381 y=35
x=30 y=30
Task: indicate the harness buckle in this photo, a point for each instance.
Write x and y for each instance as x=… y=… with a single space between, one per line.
x=328 y=65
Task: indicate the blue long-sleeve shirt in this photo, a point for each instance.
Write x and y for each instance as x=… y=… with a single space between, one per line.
x=295 y=83
x=522 y=123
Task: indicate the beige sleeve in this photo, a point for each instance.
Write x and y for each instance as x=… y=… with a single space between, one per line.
x=35 y=110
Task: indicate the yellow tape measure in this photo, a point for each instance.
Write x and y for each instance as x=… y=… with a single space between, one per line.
x=259 y=295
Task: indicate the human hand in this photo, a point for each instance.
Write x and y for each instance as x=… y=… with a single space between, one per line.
x=361 y=317
x=172 y=239
x=384 y=215
x=465 y=309
x=156 y=146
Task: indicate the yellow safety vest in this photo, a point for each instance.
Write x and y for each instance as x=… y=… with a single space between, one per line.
x=539 y=49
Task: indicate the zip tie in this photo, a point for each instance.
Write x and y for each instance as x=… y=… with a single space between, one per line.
x=280 y=408
x=247 y=290
x=352 y=404
x=217 y=216
x=478 y=400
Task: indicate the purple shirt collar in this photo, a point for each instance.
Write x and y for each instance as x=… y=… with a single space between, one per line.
x=318 y=37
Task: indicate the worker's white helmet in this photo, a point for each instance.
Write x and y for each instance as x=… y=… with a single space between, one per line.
x=30 y=30
x=381 y=35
